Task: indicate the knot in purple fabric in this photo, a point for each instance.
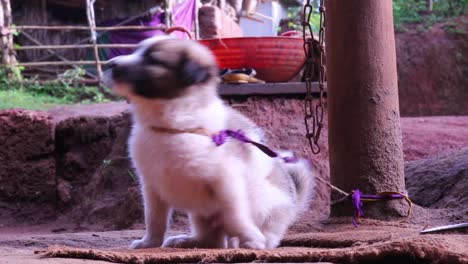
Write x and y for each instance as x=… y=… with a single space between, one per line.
x=358 y=198
x=357 y=203
x=221 y=137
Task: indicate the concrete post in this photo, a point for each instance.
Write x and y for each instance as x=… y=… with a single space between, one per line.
x=364 y=119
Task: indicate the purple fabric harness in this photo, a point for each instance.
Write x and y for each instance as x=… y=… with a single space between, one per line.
x=221 y=137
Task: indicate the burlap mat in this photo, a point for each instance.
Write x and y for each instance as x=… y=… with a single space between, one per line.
x=335 y=243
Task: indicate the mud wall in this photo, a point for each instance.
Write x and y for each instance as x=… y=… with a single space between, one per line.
x=432 y=68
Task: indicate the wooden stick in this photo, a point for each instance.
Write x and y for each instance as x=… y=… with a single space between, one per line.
x=92 y=25
x=9 y=23
x=113 y=28
x=168 y=12
x=8 y=41
x=82 y=46
x=4 y=38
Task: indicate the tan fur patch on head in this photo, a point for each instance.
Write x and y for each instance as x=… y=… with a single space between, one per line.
x=122 y=89
x=165 y=69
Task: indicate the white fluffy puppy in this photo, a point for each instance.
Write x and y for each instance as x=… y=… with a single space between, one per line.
x=233 y=192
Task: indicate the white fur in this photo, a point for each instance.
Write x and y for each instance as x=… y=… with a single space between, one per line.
x=180 y=168
x=227 y=190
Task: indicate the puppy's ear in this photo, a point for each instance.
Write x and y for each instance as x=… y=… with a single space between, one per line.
x=193 y=72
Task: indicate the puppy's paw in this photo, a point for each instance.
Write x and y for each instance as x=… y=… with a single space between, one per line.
x=233 y=242
x=273 y=241
x=253 y=239
x=181 y=241
x=253 y=244
x=145 y=243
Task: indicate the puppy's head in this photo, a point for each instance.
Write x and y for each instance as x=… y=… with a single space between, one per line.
x=162 y=68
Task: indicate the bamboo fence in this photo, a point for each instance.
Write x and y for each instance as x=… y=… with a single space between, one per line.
x=7 y=30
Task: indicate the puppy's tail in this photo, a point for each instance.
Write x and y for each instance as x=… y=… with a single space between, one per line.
x=303 y=183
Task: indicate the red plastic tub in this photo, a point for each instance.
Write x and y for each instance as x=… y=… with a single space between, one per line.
x=276 y=59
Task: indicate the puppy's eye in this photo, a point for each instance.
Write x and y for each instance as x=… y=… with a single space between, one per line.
x=154 y=58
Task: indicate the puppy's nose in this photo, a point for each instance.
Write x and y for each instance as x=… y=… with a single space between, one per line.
x=120 y=72
x=110 y=65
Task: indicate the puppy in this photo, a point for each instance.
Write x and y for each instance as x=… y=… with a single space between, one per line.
x=234 y=194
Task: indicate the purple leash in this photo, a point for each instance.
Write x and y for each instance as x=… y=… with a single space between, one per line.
x=357 y=197
x=221 y=137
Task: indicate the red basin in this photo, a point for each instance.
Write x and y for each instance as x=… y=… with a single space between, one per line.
x=276 y=59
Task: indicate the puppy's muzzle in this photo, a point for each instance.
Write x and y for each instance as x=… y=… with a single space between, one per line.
x=108 y=72
x=121 y=67
x=109 y=65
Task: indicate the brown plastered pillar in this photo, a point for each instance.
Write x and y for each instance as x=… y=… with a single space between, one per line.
x=364 y=118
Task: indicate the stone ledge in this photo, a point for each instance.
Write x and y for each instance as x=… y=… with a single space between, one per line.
x=266 y=88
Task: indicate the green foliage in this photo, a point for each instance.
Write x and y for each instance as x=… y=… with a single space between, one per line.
x=16 y=98
x=404 y=12
x=315 y=21
x=32 y=94
x=454 y=28
x=408 y=11
x=14 y=72
x=450 y=8
x=295 y=14
x=71 y=94
x=416 y=11
x=132 y=176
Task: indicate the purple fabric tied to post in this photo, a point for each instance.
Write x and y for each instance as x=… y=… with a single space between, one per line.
x=358 y=197
x=222 y=136
x=357 y=203
x=183 y=15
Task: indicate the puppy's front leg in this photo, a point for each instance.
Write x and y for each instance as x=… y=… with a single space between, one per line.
x=205 y=234
x=236 y=217
x=156 y=217
x=239 y=225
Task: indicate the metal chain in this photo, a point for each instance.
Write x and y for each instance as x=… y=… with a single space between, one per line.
x=313 y=118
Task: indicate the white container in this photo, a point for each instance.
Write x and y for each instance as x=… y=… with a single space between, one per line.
x=269 y=27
